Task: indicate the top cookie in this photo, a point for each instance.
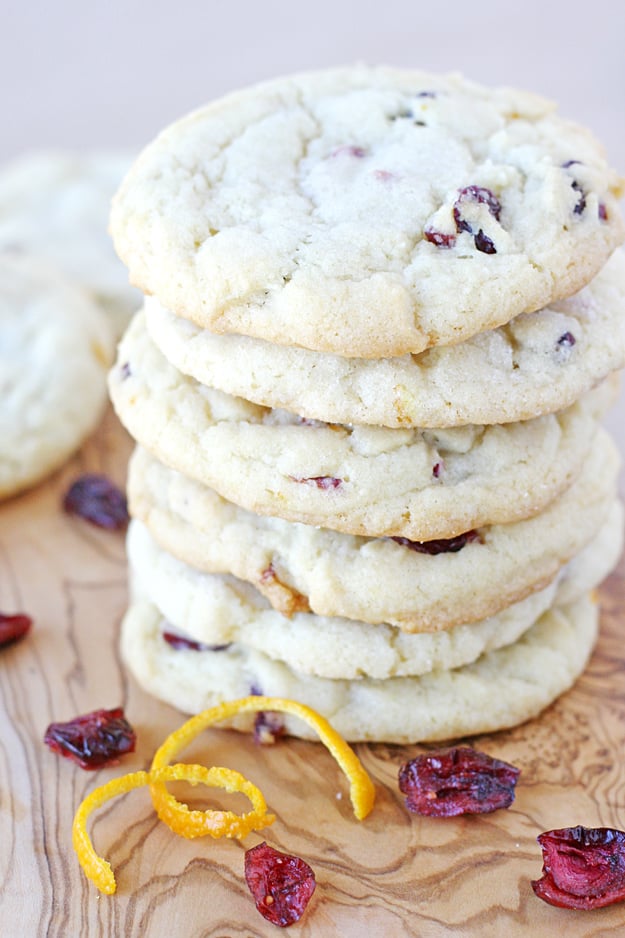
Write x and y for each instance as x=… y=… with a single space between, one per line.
x=368 y=212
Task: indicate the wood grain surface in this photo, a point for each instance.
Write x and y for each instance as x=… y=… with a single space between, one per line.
x=392 y=875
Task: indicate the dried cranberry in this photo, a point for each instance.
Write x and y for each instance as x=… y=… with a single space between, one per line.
x=580 y=205
x=350 y=150
x=439 y=238
x=13 y=628
x=179 y=642
x=269 y=575
x=307 y=421
x=475 y=194
x=94 y=739
x=567 y=340
x=460 y=780
x=322 y=482
x=384 y=175
x=484 y=244
x=583 y=867
x=96 y=499
x=437 y=469
x=450 y=545
x=268 y=726
x=281 y=884
x=603 y=212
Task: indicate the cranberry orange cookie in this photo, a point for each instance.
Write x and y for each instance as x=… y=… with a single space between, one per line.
x=358 y=479
x=418 y=586
x=57 y=204
x=192 y=523
x=538 y=363
x=500 y=689
x=55 y=348
x=367 y=211
x=215 y=610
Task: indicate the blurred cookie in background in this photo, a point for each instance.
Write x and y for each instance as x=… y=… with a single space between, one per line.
x=56 y=345
x=56 y=204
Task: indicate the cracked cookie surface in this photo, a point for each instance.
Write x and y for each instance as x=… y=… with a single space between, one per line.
x=367 y=212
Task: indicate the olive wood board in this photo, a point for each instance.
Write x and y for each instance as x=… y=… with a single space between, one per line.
x=394 y=874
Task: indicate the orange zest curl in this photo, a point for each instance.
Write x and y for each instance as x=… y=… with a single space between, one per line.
x=189 y=823
x=362 y=791
x=217 y=823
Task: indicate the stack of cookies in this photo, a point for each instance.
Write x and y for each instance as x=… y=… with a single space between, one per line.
x=383 y=315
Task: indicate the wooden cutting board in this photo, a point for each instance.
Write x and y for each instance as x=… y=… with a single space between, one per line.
x=392 y=875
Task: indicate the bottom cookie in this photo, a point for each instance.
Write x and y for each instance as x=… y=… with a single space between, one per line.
x=501 y=689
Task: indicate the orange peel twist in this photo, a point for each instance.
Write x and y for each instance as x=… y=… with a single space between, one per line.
x=362 y=791
x=218 y=824
x=214 y=823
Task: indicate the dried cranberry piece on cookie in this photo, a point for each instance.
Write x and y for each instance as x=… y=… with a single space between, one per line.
x=449 y=545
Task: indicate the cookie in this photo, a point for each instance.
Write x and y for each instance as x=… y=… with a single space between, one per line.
x=56 y=204
x=367 y=211
x=362 y=480
x=499 y=690
x=300 y=567
x=56 y=346
x=594 y=562
x=538 y=363
x=216 y=610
